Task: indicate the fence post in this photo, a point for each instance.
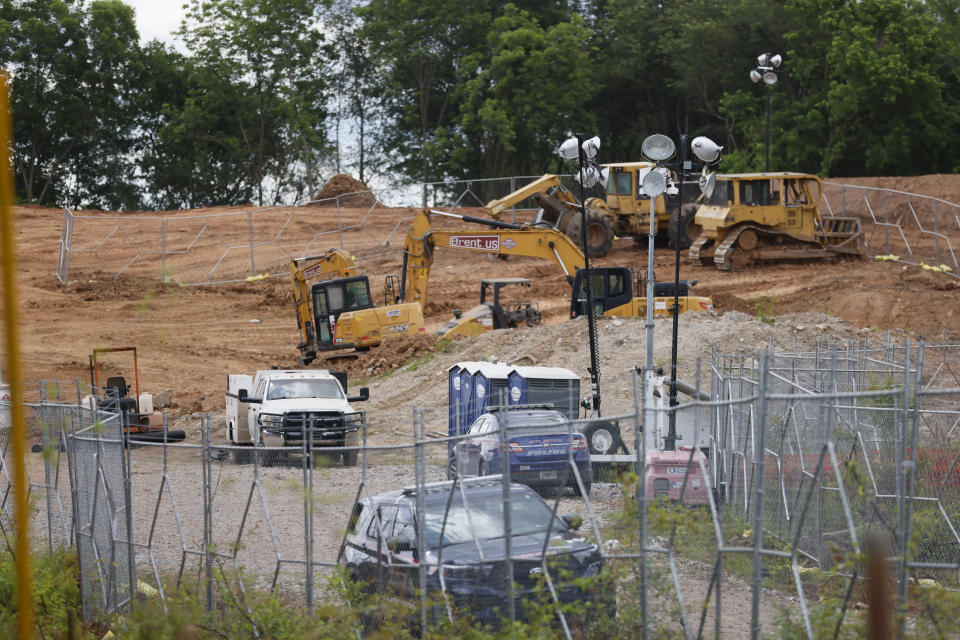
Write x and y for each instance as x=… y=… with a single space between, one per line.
x=507 y=515
x=902 y=494
x=207 y=507
x=758 y=497
x=253 y=263
x=306 y=449
x=886 y=220
x=163 y=250
x=339 y=224
x=128 y=498
x=936 y=231
x=420 y=460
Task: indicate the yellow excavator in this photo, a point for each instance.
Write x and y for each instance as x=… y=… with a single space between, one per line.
x=613 y=288
x=339 y=313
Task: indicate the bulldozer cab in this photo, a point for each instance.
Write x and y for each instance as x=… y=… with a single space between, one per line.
x=611 y=287
x=332 y=298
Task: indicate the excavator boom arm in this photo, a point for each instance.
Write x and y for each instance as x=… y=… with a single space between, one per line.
x=511 y=240
x=540 y=185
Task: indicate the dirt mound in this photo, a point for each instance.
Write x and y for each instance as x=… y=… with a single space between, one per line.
x=346 y=190
x=393 y=353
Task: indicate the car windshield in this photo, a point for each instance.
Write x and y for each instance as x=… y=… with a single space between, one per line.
x=529 y=514
x=304 y=388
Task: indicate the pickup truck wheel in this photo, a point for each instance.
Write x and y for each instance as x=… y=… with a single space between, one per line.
x=265 y=457
x=452 y=467
x=350 y=458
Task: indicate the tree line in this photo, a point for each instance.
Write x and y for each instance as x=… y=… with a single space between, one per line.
x=274 y=95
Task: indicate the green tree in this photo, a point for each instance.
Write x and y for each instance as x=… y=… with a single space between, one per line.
x=269 y=56
x=73 y=101
x=428 y=51
x=512 y=113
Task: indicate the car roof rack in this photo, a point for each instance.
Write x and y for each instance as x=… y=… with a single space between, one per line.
x=433 y=487
x=511 y=407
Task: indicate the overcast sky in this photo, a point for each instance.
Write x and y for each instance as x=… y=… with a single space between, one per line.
x=157 y=19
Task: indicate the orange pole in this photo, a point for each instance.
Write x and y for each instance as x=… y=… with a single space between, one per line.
x=18 y=429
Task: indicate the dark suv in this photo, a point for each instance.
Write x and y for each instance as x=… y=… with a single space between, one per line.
x=467 y=564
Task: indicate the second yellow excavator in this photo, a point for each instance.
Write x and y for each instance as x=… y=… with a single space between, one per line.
x=616 y=291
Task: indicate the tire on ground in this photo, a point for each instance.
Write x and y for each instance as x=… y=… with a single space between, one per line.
x=681 y=227
x=603 y=438
x=599 y=232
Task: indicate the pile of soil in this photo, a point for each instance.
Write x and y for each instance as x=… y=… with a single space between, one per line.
x=393 y=353
x=346 y=190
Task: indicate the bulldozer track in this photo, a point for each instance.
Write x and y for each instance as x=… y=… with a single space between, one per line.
x=724 y=256
x=732 y=253
x=698 y=245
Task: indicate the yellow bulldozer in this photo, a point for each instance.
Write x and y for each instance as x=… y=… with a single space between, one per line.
x=751 y=218
x=624 y=212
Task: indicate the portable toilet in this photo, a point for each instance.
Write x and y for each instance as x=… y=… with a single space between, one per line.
x=555 y=386
x=466 y=392
x=453 y=399
x=489 y=386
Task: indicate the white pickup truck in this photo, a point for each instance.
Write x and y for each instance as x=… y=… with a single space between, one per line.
x=274 y=407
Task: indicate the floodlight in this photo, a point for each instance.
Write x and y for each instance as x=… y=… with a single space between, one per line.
x=672 y=189
x=755 y=76
x=708 y=183
x=569 y=150
x=776 y=60
x=604 y=176
x=658 y=147
x=762 y=59
x=590 y=176
x=705 y=149
x=770 y=78
x=654 y=183
x=591 y=146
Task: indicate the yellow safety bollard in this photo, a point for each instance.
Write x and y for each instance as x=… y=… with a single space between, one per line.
x=18 y=429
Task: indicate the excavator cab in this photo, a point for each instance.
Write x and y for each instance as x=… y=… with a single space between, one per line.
x=331 y=298
x=610 y=287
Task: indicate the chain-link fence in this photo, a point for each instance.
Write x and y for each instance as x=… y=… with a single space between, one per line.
x=793 y=459
x=907 y=227
x=220 y=247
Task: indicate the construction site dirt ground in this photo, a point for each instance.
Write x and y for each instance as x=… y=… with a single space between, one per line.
x=190 y=337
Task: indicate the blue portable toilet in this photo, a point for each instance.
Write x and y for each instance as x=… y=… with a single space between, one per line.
x=555 y=386
x=466 y=394
x=489 y=386
x=453 y=398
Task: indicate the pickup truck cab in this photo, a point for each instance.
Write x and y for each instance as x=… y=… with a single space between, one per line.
x=276 y=407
